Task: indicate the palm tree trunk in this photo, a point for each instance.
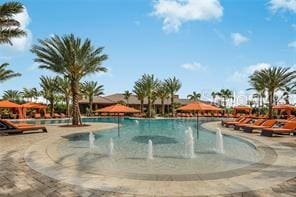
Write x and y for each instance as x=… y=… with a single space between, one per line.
x=75 y=107
x=141 y=107
x=172 y=105
x=224 y=102
x=270 y=102
x=67 y=100
x=90 y=105
x=149 y=107
x=162 y=107
x=51 y=107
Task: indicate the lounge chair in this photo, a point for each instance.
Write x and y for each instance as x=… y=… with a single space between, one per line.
x=47 y=116
x=62 y=115
x=288 y=128
x=37 y=116
x=9 y=127
x=243 y=121
x=266 y=124
x=235 y=121
x=230 y=120
x=256 y=123
x=55 y=115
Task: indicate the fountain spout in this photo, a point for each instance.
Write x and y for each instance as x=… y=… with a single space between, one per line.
x=189 y=144
x=91 y=140
x=219 y=141
x=150 y=150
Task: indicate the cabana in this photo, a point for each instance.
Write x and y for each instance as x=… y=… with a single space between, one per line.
x=284 y=108
x=242 y=108
x=38 y=106
x=12 y=106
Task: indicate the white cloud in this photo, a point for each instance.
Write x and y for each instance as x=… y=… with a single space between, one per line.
x=244 y=73
x=176 y=12
x=23 y=43
x=293 y=26
x=238 y=39
x=292 y=44
x=285 y=5
x=193 y=66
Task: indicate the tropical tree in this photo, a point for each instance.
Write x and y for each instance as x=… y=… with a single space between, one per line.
x=30 y=94
x=173 y=85
x=272 y=79
x=140 y=93
x=127 y=94
x=162 y=93
x=225 y=94
x=64 y=88
x=49 y=91
x=73 y=58
x=214 y=94
x=91 y=89
x=12 y=95
x=6 y=74
x=287 y=91
x=9 y=26
x=150 y=85
x=194 y=96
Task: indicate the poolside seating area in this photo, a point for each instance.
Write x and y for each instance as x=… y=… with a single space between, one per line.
x=266 y=127
x=10 y=127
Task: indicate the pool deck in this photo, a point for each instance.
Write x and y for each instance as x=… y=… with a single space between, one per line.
x=20 y=153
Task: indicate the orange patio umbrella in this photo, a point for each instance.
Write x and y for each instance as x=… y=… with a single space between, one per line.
x=117 y=109
x=197 y=106
x=11 y=105
x=285 y=107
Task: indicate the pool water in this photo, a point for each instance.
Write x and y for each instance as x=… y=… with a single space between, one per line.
x=130 y=152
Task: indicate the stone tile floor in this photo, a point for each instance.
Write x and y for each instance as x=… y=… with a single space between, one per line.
x=17 y=179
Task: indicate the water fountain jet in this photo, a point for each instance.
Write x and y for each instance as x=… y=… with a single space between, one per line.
x=91 y=140
x=189 y=144
x=219 y=141
x=150 y=150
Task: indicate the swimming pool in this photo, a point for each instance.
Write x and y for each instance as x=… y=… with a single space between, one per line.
x=168 y=136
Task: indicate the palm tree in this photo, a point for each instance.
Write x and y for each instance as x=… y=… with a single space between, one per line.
x=73 y=58
x=162 y=93
x=91 y=89
x=150 y=84
x=225 y=94
x=140 y=93
x=194 y=96
x=30 y=94
x=49 y=90
x=12 y=95
x=272 y=79
x=65 y=89
x=173 y=85
x=287 y=90
x=214 y=94
x=6 y=74
x=127 y=94
x=9 y=26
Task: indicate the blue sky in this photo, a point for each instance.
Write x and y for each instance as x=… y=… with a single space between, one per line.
x=207 y=44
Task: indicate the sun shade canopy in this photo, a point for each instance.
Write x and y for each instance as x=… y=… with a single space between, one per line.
x=284 y=107
x=199 y=106
x=118 y=108
x=34 y=105
x=8 y=104
x=242 y=107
